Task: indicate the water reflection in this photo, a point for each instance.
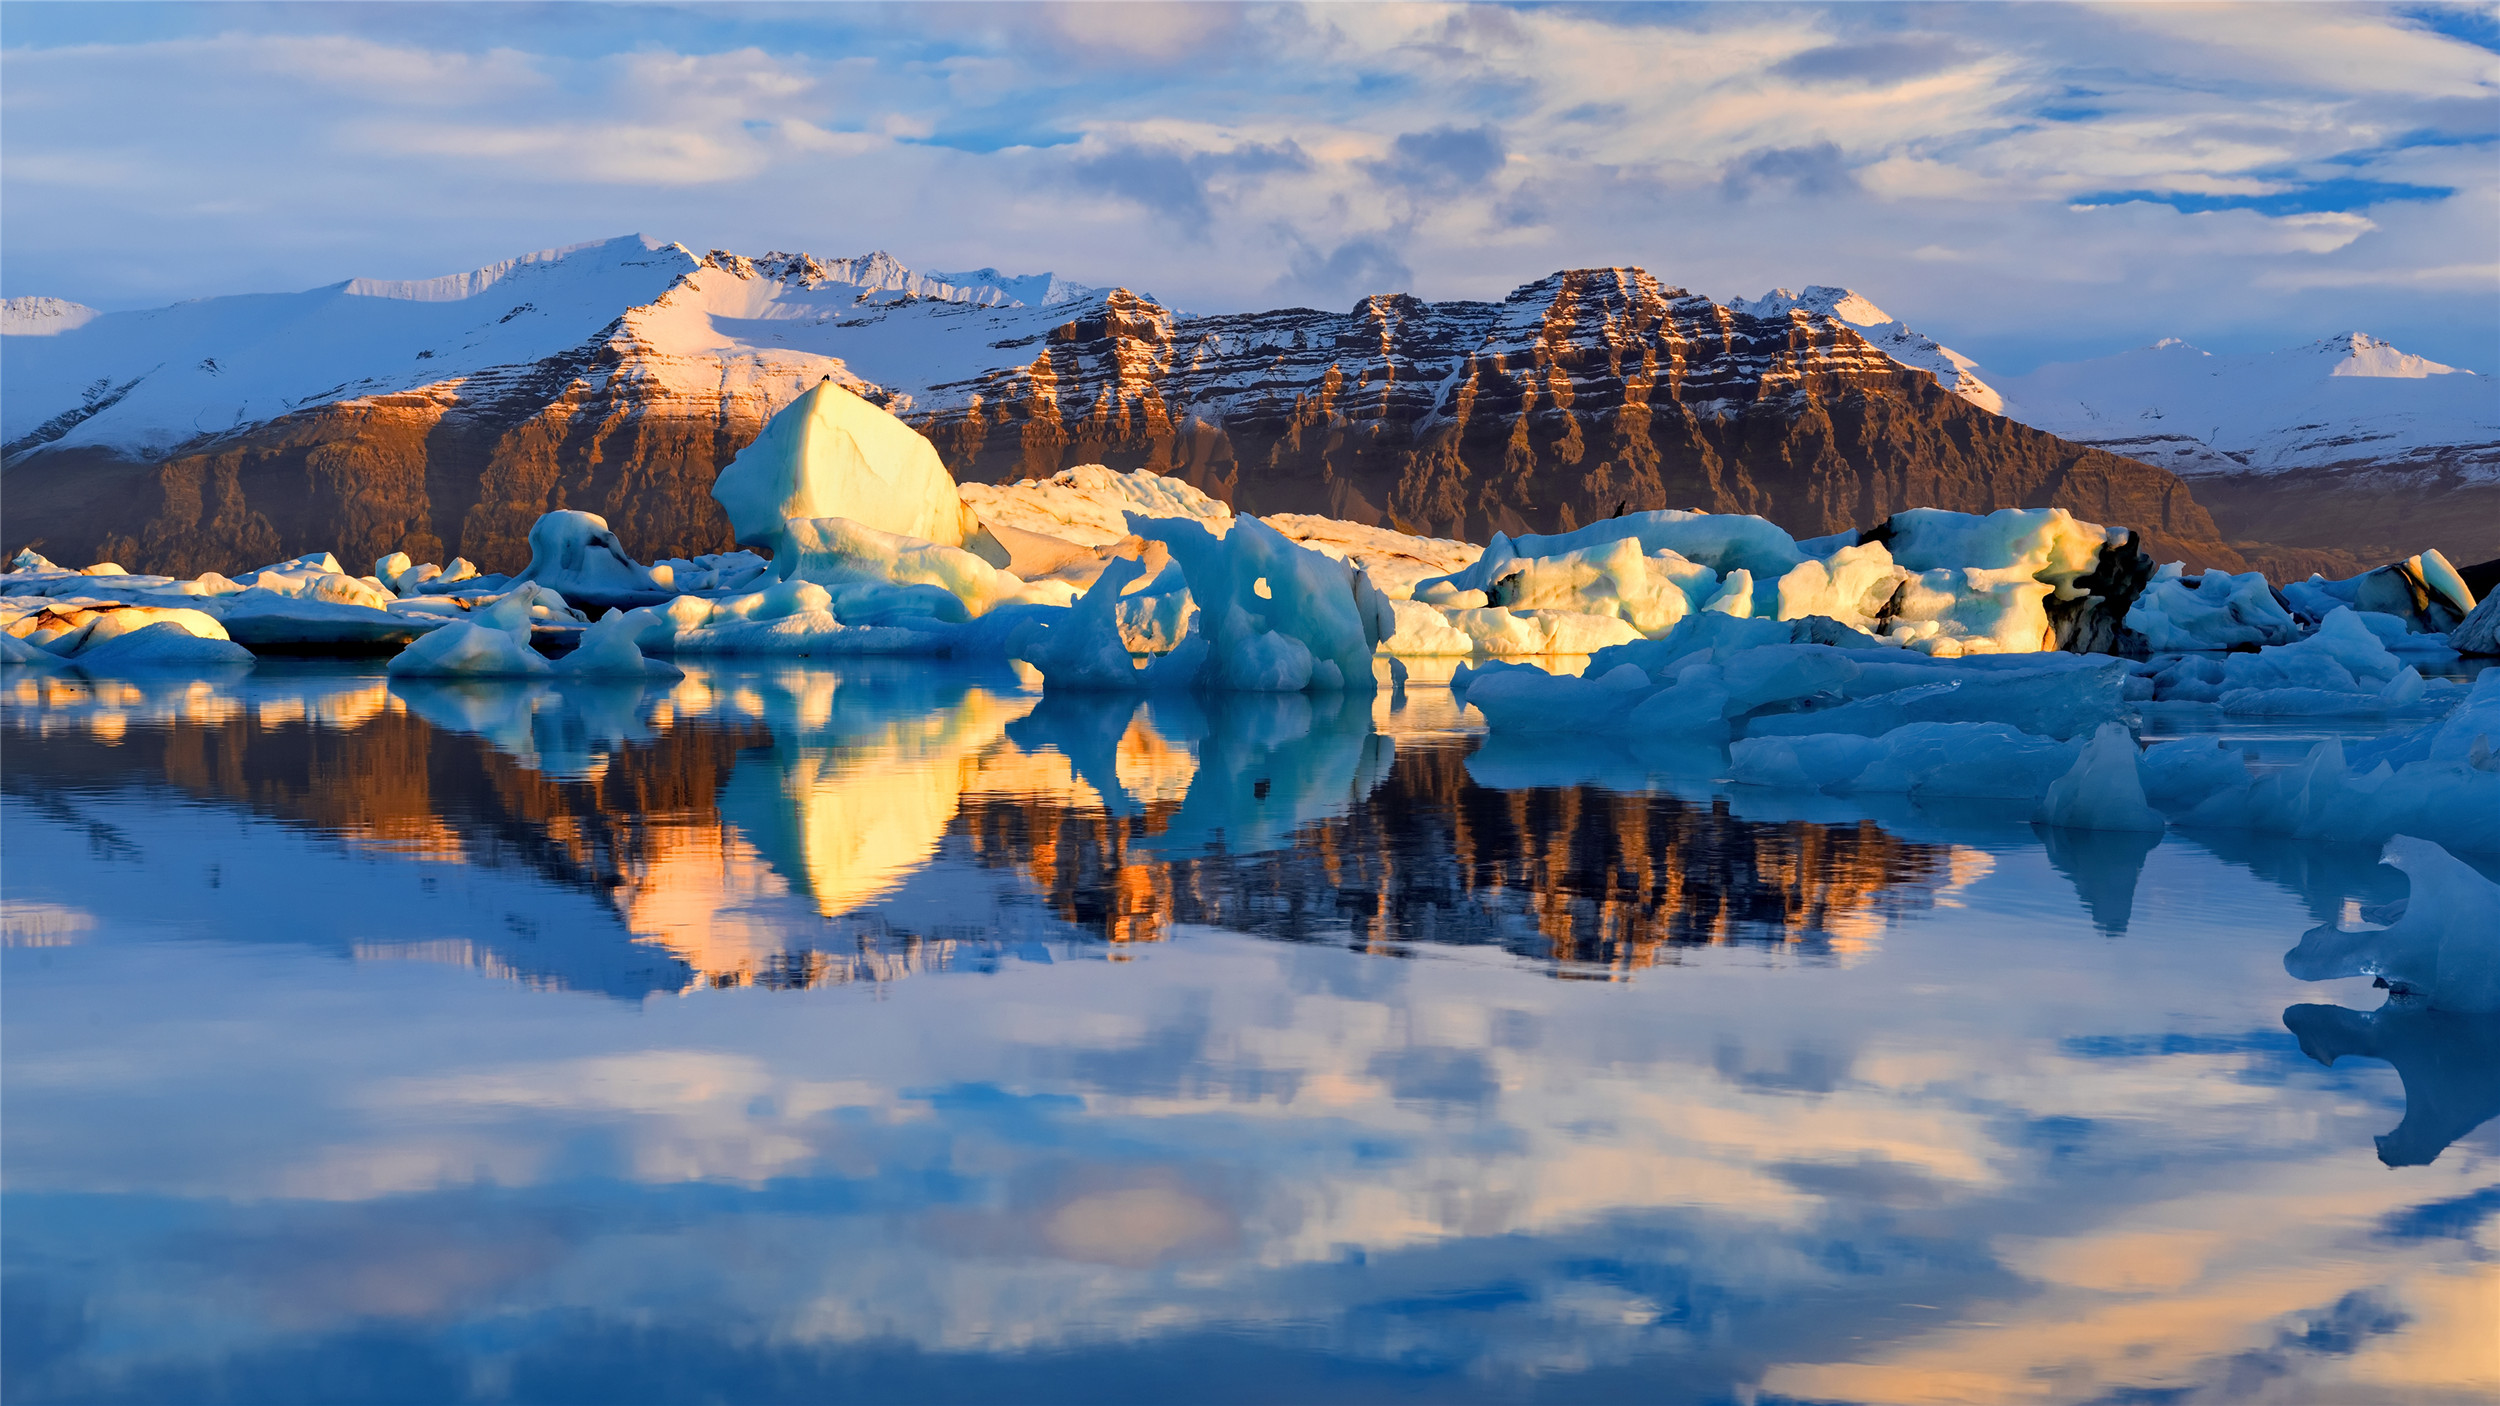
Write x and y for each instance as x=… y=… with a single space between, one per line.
x=2449 y=1062
x=795 y=826
x=1261 y=1089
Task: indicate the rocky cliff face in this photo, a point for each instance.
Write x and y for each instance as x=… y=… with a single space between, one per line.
x=1580 y=395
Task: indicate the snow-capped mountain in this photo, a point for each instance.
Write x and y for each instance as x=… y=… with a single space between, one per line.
x=444 y=415
x=2347 y=442
x=146 y=382
x=1893 y=337
x=2342 y=402
x=42 y=317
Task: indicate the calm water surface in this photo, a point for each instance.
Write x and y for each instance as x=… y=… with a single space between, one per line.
x=893 y=1033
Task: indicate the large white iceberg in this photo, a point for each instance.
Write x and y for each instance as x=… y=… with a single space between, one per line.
x=831 y=454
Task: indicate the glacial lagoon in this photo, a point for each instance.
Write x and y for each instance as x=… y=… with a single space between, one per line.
x=891 y=1032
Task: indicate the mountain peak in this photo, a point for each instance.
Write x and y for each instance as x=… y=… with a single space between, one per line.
x=1846 y=304
x=43 y=317
x=1894 y=338
x=2360 y=354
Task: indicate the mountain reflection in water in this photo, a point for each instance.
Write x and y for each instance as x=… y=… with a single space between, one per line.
x=800 y=826
x=346 y=1059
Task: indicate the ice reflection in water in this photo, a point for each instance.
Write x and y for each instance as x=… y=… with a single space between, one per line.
x=1928 y=1110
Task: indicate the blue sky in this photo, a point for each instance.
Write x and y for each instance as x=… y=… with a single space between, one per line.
x=2028 y=182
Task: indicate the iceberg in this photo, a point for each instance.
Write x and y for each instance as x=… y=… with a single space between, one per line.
x=2104 y=790
x=2421 y=595
x=1498 y=631
x=2214 y=611
x=496 y=644
x=1086 y=648
x=1722 y=542
x=15 y=652
x=608 y=651
x=1715 y=675
x=316 y=577
x=2445 y=948
x=2479 y=632
x=575 y=555
x=831 y=454
x=945 y=583
x=793 y=618
x=163 y=644
x=2344 y=656
x=73 y=627
x=1936 y=582
x=2456 y=797
x=2182 y=774
x=1276 y=616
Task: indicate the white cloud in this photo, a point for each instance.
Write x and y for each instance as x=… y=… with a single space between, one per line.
x=1734 y=147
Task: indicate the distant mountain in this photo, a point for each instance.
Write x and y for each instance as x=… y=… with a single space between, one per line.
x=444 y=415
x=2344 y=443
x=1891 y=336
x=42 y=317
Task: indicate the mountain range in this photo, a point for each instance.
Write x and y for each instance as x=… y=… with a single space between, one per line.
x=442 y=416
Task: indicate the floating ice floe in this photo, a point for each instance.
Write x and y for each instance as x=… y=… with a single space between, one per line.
x=495 y=643
x=872 y=572
x=2444 y=948
x=1086 y=649
x=99 y=637
x=788 y=618
x=1717 y=676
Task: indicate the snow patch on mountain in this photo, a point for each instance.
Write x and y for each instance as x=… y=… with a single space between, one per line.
x=2344 y=401
x=169 y=375
x=721 y=325
x=1034 y=290
x=1893 y=337
x=43 y=317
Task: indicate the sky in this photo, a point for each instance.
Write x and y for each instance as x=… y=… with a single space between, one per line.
x=2028 y=183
